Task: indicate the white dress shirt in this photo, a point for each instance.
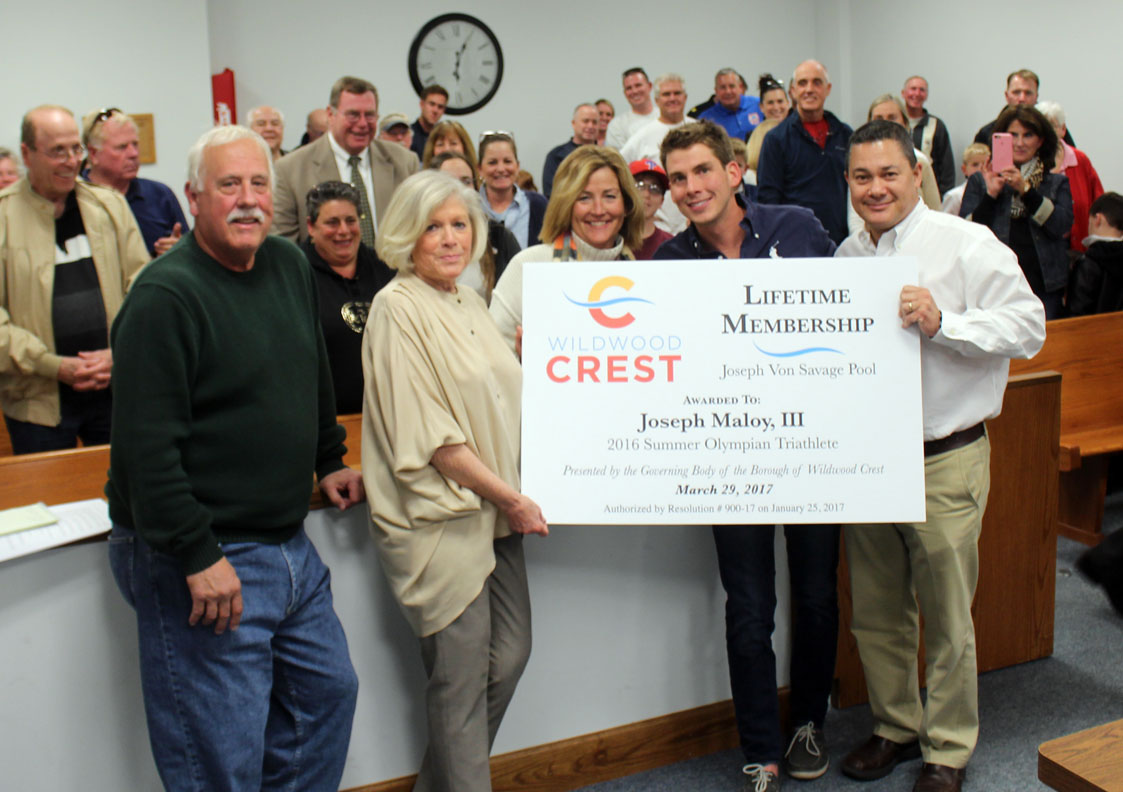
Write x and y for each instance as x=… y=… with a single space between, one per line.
x=989 y=314
x=343 y=162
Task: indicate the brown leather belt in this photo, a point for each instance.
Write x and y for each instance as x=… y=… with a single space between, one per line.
x=954 y=440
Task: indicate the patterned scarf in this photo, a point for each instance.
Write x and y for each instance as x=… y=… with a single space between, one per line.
x=1032 y=174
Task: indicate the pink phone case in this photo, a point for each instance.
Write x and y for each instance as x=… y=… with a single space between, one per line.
x=1001 y=151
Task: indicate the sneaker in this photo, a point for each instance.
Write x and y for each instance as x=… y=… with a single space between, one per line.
x=806 y=757
x=758 y=779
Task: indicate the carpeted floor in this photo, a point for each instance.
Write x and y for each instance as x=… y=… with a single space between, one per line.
x=1080 y=686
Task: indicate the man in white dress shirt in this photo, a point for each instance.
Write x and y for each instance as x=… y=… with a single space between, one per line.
x=974 y=311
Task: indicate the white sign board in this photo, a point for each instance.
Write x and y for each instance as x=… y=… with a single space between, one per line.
x=721 y=391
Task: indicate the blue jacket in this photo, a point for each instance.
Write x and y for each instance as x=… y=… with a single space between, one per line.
x=770 y=232
x=553 y=160
x=794 y=170
x=1050 y=209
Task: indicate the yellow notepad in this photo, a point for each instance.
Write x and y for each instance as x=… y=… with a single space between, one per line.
x=24 y=518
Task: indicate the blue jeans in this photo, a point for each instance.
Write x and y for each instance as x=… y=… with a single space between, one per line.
x=265 y=707
x=747 y=566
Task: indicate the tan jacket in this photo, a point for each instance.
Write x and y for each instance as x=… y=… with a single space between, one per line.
x=301 y=170
x=28 y=363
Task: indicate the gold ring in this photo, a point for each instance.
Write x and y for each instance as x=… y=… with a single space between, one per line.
x=910 y=306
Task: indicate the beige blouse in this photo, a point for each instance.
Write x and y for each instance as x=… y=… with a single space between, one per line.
x=437 y=373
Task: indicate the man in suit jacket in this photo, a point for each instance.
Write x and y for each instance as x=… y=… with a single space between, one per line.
x=352 y=126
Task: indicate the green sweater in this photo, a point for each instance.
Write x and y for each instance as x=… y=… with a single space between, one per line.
x=222 y=402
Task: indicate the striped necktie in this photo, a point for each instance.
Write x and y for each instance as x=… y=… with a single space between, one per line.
x=365 y=221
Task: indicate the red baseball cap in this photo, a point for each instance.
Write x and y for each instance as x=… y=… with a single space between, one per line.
x=650 y=166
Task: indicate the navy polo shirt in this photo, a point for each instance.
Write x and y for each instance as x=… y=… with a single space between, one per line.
x=770 y=232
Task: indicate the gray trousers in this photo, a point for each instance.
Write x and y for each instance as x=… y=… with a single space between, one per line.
x=473 y=666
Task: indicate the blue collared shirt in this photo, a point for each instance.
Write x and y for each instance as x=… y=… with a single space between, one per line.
x=156 y=210
x=738 y=123
x=770 y=232
x=516 y=217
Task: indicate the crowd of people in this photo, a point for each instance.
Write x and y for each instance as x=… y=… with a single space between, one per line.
x=401 y=299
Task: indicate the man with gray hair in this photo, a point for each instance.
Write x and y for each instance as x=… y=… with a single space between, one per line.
x=208 y=498
x=585 y=118
x=68 y=249
x=670 y=99
x=113 y=152
x=929 y=134
x=268 y=122
x=348 y=152
x=803 y=160
x=738 y=113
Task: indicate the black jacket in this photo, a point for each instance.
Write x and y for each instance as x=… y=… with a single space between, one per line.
x=344 y=304
x=1096 y=285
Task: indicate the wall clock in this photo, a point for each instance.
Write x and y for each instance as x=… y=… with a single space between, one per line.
x=461 y=54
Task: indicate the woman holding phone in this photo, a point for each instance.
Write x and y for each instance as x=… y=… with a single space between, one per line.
x=1026 y=206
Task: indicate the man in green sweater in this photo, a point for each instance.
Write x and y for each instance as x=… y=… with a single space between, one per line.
x=223 y=409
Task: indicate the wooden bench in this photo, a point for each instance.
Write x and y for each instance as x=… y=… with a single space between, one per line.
x=79 y=474
x=1088 y=761
x=1015 y=598
x=1088 y=352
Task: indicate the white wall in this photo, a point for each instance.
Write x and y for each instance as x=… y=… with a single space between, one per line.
x=965 y=48
x=628 y=625
x=136 y=55
x=555 y=56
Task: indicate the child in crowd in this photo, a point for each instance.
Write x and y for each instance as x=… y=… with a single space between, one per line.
x=975 y=157
x=1096 y=283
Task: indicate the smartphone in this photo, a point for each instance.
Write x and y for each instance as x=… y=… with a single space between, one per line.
x=1001 y=151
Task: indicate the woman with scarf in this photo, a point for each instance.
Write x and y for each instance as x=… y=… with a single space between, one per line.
x=594 y=214
x=1026 y=206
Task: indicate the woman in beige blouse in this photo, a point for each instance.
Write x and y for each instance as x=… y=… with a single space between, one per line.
x=441 y=461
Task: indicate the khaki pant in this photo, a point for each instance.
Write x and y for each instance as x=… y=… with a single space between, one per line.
x=936 y=564
x=473 y=666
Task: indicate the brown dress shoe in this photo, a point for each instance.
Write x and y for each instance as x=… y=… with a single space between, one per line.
x=940 y=778
x=877 y=757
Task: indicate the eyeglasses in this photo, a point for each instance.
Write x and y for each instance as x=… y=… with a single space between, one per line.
x=60 y=154
x=355 y=116
x=653 y=187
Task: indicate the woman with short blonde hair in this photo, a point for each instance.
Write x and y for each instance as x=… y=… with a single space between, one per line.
x=441 y=443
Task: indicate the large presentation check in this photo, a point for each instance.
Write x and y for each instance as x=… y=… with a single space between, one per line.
x=721 y=391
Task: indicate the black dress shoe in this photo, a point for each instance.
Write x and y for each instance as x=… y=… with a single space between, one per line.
x=877 y=757
x=940 y=778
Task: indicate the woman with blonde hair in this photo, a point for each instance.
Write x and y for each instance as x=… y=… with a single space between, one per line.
x=448 y=136
x=595 y=214
x=441 y=445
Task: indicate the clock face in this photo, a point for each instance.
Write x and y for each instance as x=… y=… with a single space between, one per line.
x=462 y=55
